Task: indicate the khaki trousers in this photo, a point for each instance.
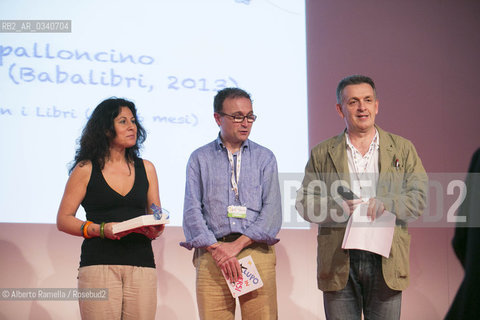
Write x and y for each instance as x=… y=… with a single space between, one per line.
x=132 y=292
x=214 y=298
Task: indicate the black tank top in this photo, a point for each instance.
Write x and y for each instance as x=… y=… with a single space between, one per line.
x=103 y=204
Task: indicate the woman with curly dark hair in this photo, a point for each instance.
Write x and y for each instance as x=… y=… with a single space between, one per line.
x=113 y=184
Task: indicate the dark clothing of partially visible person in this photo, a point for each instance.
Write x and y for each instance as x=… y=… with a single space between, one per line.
x=103 y=204
x=466 y=244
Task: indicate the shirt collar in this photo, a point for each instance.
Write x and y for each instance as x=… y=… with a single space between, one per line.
x=221 y=146
x=375 y=141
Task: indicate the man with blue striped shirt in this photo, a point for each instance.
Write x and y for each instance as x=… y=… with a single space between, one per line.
x=232 y=209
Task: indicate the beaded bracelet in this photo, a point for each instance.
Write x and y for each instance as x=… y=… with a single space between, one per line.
x=102 y=230
x=85 y=229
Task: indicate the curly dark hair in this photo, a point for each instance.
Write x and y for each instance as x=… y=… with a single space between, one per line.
x=95 y=140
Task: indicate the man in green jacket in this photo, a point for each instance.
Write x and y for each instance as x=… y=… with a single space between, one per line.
x=383 y=172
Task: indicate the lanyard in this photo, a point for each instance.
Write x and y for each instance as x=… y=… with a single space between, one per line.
x=234 y=179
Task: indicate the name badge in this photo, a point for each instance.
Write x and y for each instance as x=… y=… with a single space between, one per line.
x=237 y=212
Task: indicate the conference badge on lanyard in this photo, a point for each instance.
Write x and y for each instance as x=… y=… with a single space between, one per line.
x=236 y=211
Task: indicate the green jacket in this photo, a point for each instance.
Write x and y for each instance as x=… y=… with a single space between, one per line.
x=402 y=187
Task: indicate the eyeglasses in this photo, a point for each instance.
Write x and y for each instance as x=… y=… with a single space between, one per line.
x=239 y=118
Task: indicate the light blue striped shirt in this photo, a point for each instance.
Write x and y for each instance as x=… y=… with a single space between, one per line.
x=208 y=193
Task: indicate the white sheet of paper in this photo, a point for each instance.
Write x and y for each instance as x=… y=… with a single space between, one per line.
x=374 y=236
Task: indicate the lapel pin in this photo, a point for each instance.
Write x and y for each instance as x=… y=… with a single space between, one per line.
x=397 y=163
